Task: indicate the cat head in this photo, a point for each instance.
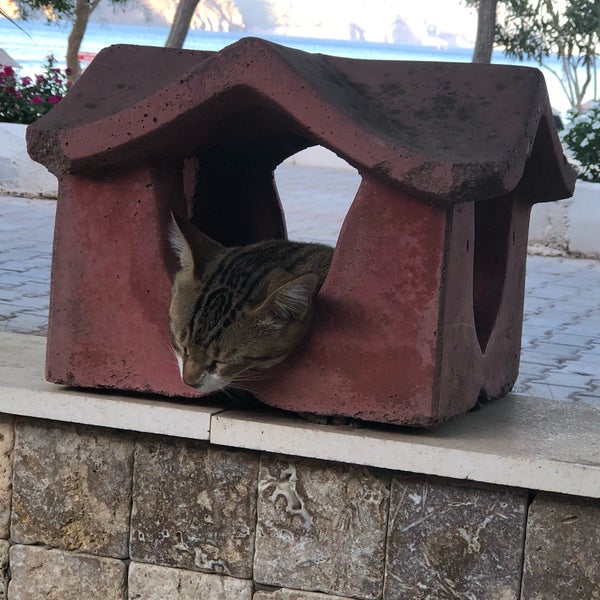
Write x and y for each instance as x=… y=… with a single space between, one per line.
x=233 y=310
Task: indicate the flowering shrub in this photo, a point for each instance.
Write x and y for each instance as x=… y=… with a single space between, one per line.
x=25 y=99
x=581 y=136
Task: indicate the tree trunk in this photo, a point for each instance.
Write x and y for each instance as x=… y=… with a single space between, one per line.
x=486 y=25
x=83 y=10
x=181 y=23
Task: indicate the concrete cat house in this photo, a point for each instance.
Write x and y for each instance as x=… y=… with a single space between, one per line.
x=421 y=313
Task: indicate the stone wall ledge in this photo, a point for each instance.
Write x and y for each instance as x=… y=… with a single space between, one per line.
x=516 y=441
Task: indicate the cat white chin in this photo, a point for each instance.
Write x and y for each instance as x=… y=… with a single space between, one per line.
x=209 y=383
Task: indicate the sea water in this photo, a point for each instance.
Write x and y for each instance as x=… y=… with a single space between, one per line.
x=40 y=39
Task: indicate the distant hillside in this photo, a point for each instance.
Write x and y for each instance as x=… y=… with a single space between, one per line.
x=211 y=15
x=428 y=22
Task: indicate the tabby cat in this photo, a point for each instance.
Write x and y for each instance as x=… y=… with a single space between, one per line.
x=235 y=310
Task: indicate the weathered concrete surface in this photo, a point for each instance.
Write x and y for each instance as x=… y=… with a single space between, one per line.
x=194 y=131
x=562 y=552
x=321 y=527
x=283 y=594
x=57 y=575
x=6 y=471
x=194 y=507
x=3 y=569
x=452 y=541
x=151 y=582
x=72 y=488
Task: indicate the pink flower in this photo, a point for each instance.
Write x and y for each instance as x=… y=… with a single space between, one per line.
x=8 y=70
x=54 y=99
x=40 y=78
x=26 y=80
x=36 y=100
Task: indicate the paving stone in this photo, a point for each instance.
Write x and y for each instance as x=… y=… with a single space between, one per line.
x=553 y=392
x=570 y=339
x=451 y=540
x=72 y=487
x=321 y=527
x=194 y=506
x=6 y=452
x=562 y=549
x=53 y=574
x=3 y=569
x=566 y=379
x=22 y=321
x=586 y=366
x=283 y=594
x=151 y=582
x=555 y=351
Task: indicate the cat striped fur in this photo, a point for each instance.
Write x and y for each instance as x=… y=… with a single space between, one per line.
x=241 y=309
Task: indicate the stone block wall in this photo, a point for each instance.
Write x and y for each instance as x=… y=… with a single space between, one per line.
x=107 y=515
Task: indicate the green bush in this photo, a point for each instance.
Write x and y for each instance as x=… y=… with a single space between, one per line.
x=581 y=136
x=25 y=99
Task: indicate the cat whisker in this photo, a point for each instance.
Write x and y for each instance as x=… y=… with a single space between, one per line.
x=243 y=386
x=172 y=351
x=253 y=376
x=228 y=393
x=169 y=362
x=177 y=358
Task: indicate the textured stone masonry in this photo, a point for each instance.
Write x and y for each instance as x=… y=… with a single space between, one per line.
x=282 y=594
x=321 y=527
x=72 y=488
x=562 y=553
x=183 y=520
x=57 y=575
x=3 y=569
x=151 y=582
x=194 y=506
x=6 y=450
x=452 y=540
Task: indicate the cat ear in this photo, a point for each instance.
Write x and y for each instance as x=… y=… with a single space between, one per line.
x=194 y=249
x=293 y=299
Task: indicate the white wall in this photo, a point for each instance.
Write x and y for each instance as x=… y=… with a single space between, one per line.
x=568 y=226
x=19 y=175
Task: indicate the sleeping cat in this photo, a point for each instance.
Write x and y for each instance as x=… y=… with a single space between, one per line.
x=235 y=310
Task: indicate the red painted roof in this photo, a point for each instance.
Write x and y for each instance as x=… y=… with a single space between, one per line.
x=449 y=132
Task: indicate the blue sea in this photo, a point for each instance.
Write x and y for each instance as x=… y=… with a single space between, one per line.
x=42 y=39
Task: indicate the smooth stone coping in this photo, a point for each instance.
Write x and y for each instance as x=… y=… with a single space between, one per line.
x=515 y=441
x=24 y=392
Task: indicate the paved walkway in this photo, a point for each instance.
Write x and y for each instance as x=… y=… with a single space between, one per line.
x=561 y=333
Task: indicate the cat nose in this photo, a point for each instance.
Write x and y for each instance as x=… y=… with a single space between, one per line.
x=191 y=373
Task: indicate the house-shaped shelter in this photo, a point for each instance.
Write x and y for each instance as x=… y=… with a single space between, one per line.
x=421 y=312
